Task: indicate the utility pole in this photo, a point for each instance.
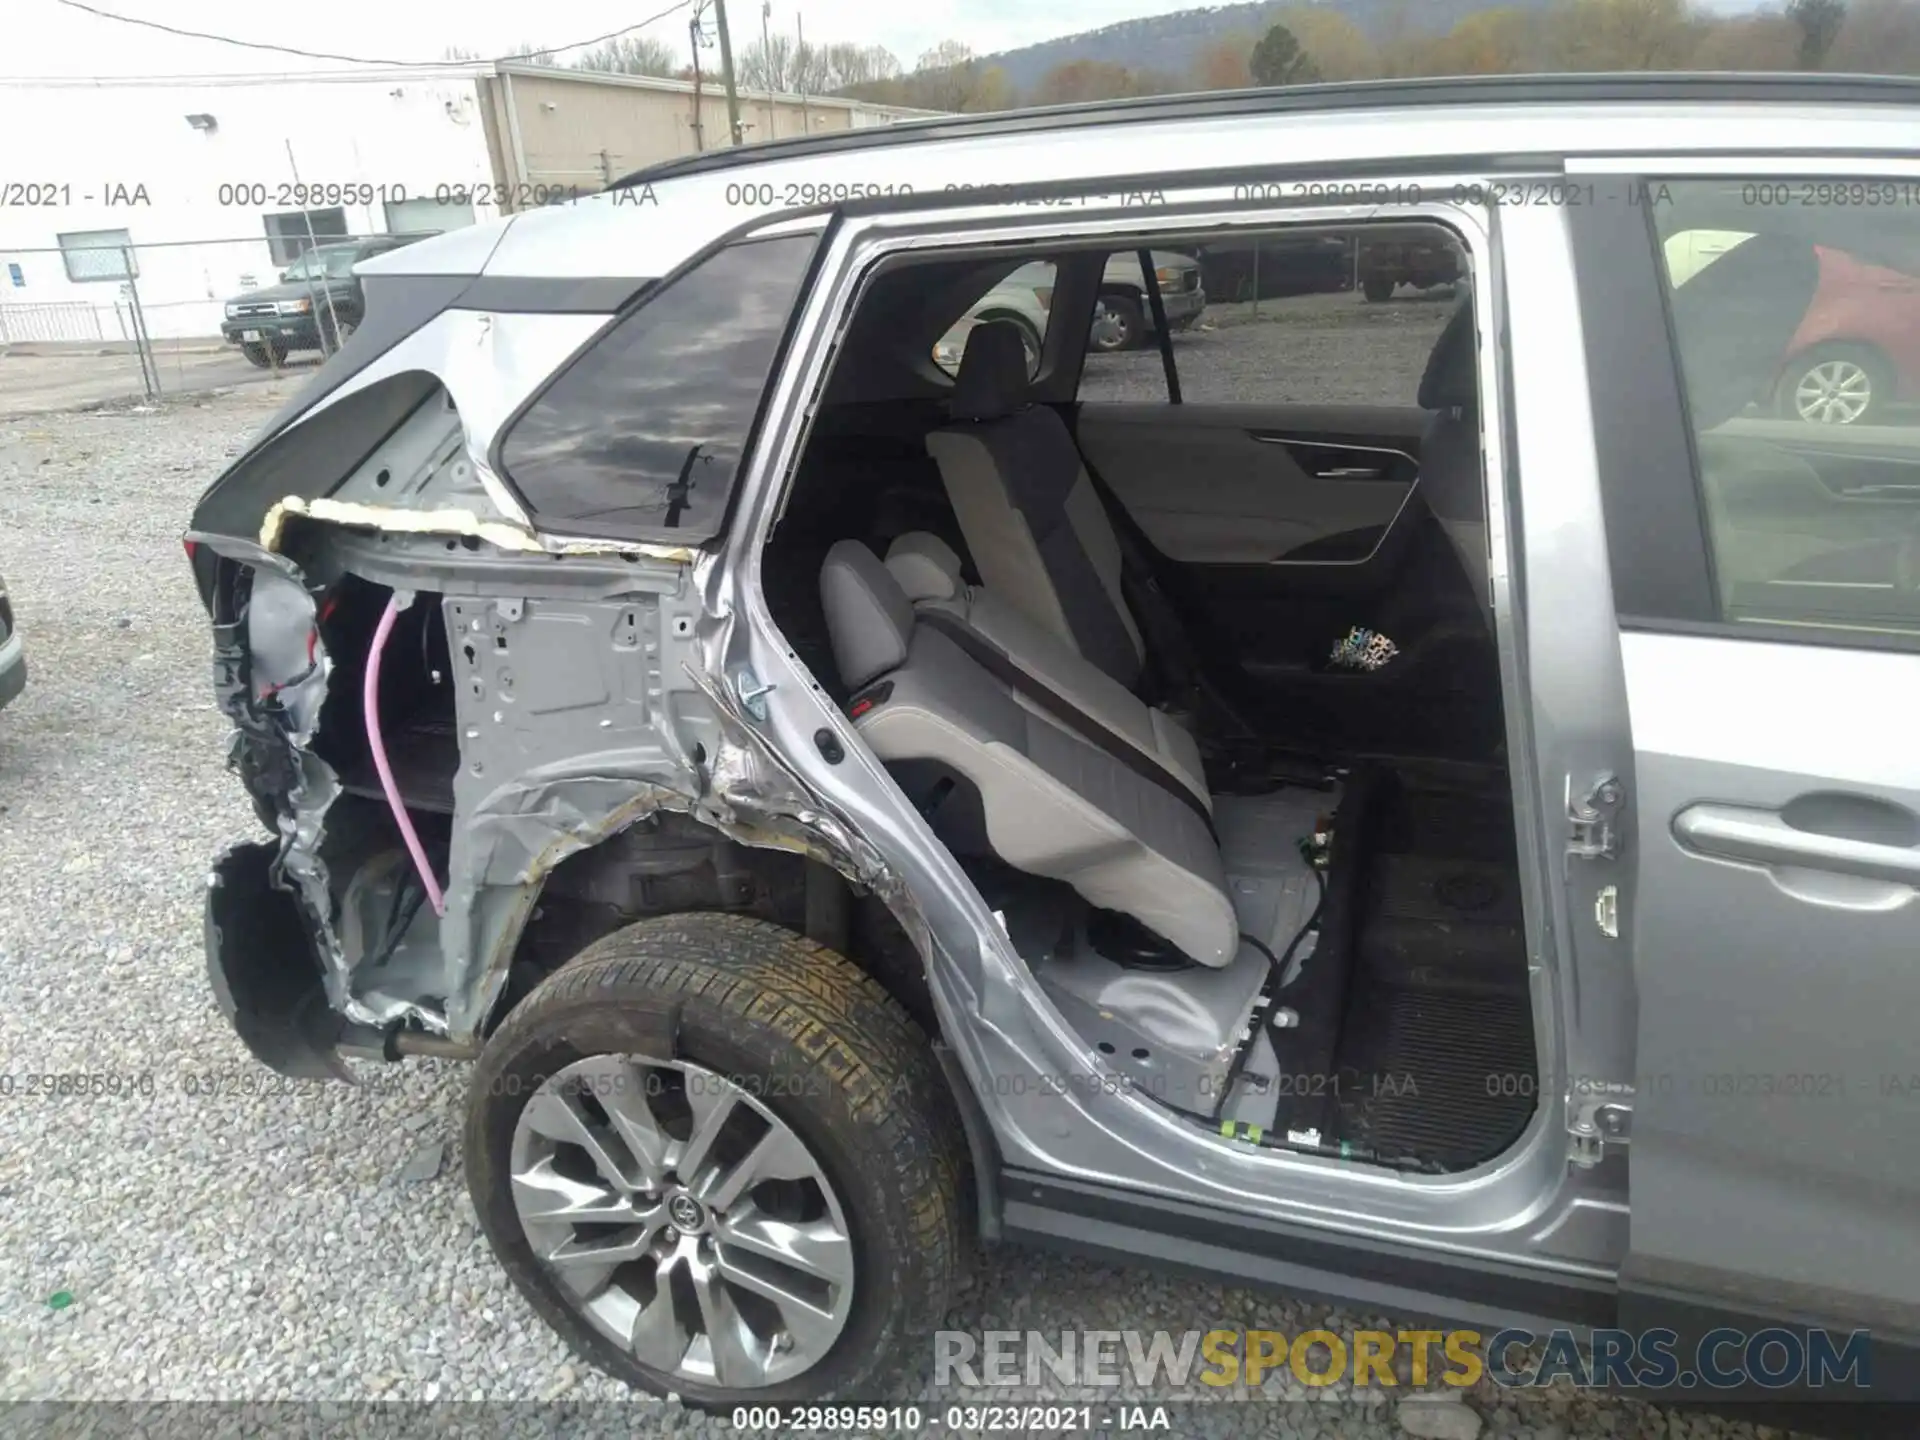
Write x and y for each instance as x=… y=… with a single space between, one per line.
x=766 y=49
x=693 y=39
x=726 y=70
x=800 y=66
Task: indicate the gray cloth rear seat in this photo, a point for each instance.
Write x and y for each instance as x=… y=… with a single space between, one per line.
x=1035 y=526
x=928 y=570
x=1053 y=804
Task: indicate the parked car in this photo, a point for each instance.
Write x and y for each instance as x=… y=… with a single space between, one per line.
x=1857 y=353
x=13 y=660
x=316 y=306
x=1122 y=317
x=1386 y=265
x=1278 y=268
x=1455 y=858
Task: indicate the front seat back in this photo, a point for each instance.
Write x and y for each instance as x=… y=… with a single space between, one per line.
x=1034 y=524
x=1452 y=477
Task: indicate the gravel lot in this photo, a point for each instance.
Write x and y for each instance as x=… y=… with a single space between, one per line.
x=267 y=1241
x=1303 y=350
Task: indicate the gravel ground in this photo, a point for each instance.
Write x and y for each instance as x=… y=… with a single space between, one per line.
x=274 y=1242
x=1302 y=350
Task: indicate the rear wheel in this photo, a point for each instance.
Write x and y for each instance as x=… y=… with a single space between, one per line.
x=1377 y=288
x=720 y=1161
x=1118 y=323
x=1835 y=385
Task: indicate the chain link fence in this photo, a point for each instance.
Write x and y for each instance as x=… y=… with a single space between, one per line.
x=117 y=321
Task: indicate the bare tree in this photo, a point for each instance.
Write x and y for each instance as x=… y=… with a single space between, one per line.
x=770 y=63
x=1622 y=35
x=631 y=55
x=850 y=64
x=1340 y=49
x=1880 y=36
x=945 y=77
x=1223 y=64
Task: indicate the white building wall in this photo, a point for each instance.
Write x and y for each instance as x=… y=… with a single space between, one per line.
x=83 y=157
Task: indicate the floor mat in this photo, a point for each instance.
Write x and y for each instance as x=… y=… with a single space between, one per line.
x=1436 y=1079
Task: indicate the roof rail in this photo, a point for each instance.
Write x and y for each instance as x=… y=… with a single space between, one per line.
x=1779 y=87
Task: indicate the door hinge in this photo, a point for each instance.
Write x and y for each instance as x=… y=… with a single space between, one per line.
x=752 y=694
x=1600 y=1117
x=1592 y=832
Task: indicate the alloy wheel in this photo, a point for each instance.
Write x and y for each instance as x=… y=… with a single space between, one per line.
x=684 y=1219
x=1833 y=392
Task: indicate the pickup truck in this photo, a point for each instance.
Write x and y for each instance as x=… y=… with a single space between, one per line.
x=316 y=305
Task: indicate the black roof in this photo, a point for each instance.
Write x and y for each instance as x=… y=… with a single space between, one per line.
x=1770 y=87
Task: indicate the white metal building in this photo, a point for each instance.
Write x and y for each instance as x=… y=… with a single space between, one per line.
x=196 y=189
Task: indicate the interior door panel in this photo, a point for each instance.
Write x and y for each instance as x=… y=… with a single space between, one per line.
x=1283 y=528
x=1256 y=484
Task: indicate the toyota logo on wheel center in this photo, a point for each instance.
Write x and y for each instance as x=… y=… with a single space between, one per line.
x=686 y=1213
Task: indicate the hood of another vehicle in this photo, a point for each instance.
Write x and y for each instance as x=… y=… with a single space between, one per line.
x=287 y=290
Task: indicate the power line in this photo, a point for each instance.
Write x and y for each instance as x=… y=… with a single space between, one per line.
x=361 y=59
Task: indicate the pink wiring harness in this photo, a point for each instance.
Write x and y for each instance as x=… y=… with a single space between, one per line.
x=370 y=702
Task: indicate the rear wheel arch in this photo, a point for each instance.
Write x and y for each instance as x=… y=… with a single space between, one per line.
x=576 y=903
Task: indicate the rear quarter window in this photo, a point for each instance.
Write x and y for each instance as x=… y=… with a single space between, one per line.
x=642 y=435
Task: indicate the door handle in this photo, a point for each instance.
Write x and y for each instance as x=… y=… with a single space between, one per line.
x=1763 y=837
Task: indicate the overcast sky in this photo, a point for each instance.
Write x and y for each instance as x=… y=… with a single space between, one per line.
x=45 y=38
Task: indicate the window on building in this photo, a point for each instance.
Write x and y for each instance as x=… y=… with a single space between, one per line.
x=292 y=233
x=642 y=435
x=98 y=255
x=1796 y=311
x=411 y=217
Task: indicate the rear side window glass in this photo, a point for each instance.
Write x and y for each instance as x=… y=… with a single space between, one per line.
x=642 y=436
x=1795 y=307
x=1023 y=298
x=1305 y=316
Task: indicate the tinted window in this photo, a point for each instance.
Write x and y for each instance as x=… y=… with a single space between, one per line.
x=1302 y=317
x=641 y=436
x=1796 y=319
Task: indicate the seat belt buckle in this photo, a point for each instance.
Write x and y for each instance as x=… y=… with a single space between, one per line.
x=869 y=699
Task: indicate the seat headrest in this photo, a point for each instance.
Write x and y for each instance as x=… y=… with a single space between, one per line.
x=869 y=618
x=1734 y=320
x=993 y=373
x=1452 y=378
x=925 y=566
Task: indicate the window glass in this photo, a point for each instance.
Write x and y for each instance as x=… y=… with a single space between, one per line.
x=1796 y=319
x=642 y=434
x=292 y=233
x=1023 y=297
x=1302 y=317
x=98 y=255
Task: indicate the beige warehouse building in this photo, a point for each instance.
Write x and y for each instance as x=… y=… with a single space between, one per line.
x=549 y=127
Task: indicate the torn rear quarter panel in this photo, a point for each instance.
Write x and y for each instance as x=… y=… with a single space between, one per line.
x=577 y=692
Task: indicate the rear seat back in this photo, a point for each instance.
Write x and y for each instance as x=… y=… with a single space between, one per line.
x=929 y=571
x=1053 y=804
x=1039 y=535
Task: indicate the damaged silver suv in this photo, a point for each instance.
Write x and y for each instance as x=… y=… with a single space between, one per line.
x=1420 y=810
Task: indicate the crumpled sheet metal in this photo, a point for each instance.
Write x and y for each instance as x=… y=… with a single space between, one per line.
x=504 y=851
